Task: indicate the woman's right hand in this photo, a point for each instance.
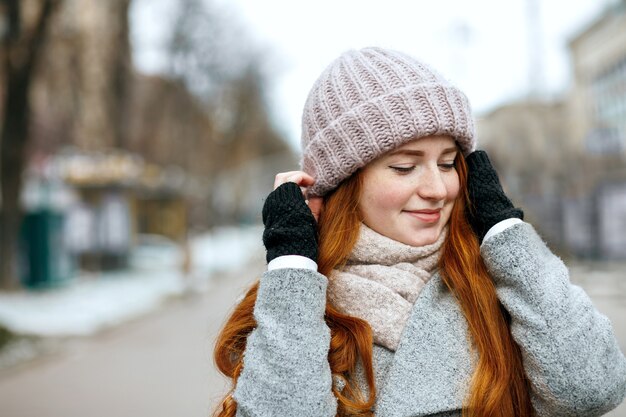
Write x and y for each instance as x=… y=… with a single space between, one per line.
x=290 y=221
x=304 y=180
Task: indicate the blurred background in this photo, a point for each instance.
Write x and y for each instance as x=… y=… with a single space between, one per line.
x=138 y=139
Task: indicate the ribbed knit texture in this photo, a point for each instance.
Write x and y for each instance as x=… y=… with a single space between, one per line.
x=489 y=203
x=289 y=224
x=381 y=280
x=371 y=101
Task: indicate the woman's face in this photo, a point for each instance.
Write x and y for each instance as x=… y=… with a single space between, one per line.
x=409 y=192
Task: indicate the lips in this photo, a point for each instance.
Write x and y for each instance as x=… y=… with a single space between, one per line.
x=426 y=216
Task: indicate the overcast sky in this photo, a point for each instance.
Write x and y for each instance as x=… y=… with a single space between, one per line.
x=480 y=45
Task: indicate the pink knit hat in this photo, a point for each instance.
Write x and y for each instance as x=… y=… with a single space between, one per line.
x=371 y=101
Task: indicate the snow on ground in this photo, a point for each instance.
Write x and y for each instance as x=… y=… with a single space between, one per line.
x=91 y=302
x=227 y=249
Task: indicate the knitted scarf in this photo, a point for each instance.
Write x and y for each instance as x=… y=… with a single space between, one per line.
x=381 y=281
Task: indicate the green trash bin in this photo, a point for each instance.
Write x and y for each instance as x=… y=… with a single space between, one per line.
x=45 y=262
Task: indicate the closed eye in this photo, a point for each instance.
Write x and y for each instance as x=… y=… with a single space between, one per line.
x=402 y=170
x=447 y=167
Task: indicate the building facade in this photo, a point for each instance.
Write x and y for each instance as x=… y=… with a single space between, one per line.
x=597 y=109
x=598 y=95
x=564 y=160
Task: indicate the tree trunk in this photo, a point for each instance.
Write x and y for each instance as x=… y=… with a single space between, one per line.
x=122 y=77
x=20 y=58
x=11 y=162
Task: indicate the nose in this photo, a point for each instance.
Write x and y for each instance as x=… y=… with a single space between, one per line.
x=432 y=185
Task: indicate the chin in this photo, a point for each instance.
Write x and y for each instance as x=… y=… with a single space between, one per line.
x=424 y=238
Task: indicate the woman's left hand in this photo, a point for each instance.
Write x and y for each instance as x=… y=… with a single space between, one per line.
x=489 y=204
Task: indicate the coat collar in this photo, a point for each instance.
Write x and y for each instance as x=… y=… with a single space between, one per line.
x=431 y=370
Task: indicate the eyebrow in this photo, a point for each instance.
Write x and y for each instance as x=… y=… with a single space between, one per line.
x=420 y=153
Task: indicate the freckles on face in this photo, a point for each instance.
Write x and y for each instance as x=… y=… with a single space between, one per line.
x=382 y=196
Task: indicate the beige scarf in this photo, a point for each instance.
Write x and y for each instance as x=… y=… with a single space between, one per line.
x=381 y=281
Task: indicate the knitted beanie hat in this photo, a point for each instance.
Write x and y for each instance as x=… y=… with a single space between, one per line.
x=371 y=101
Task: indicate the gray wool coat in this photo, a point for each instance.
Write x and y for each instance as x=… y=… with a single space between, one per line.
x=570 y=354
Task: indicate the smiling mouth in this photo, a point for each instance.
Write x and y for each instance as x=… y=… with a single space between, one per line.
x=426 y=217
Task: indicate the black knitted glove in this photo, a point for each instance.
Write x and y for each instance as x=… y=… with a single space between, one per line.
x=489 y=203
x=289 y=224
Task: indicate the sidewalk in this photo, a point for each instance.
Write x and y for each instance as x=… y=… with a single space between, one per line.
x=160 y=365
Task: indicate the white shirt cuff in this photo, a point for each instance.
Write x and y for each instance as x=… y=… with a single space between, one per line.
x=292 y=261
x=501 y=226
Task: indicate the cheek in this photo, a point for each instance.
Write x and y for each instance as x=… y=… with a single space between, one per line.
x=379 y=195
x=453 y=186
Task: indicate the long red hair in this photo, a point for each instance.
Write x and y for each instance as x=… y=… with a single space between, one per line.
x=498 y=387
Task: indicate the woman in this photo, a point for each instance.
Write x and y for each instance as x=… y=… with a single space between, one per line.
x=407 y=284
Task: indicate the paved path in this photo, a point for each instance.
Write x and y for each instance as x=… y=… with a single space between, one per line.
x=158 y=366
x=161 y=365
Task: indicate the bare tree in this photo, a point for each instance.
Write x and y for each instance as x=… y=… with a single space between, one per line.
x=206 y=48
x=210 y=52
x=22 y=47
